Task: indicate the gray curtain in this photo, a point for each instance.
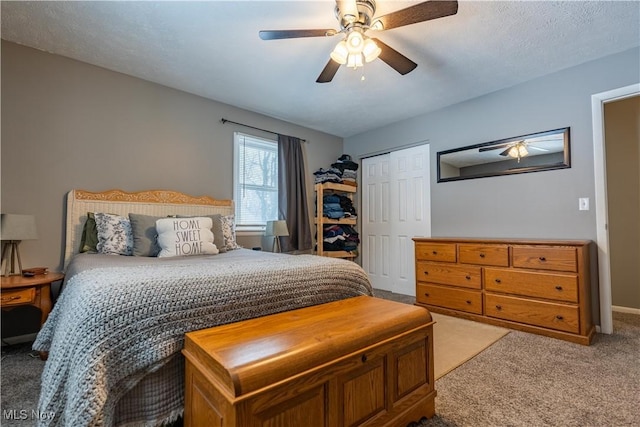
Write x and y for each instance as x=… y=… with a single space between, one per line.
x=292 y=194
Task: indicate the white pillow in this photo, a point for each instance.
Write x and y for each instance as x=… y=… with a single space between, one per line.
x=114 y=234
x=185 y=236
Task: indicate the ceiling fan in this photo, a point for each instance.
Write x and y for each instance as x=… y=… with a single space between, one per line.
x=516 y=149
x=355 y=18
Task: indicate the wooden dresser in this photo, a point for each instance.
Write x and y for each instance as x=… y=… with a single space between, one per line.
x=539 y=286
x=361 y=361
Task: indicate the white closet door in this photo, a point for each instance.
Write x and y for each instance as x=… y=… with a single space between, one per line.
x=375 y=220
x=410 y=214
x=395 y=208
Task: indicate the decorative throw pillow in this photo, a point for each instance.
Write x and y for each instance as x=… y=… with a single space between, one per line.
x=89 y=239
x=218 y=233
x=114 y=234
x=229 y=232
x=185 y=236
x=145 y=236
x=216 y=228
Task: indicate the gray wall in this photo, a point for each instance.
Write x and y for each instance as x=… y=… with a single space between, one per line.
x=68 y=124
x=532 y=205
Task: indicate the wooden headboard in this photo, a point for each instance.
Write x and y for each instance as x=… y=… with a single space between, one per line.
x=152 y=202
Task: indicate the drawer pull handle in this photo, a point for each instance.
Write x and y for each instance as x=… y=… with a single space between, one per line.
x=498 y=281
x=499 y=307
x=426 y=272
x=559 y=317
x=435 y=252
x=13 y=298
x=481 y=255
x=363 y=358
x=542 y=258
x=469 y=302
x=559 y=287
x=426 y=294
x=467 y=277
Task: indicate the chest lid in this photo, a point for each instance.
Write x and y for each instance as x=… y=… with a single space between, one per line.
x=251 y=354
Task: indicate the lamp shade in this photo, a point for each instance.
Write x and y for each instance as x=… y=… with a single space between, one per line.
x=18 y=227
x=277 y=228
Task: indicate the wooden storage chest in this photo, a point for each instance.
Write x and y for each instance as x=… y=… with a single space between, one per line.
x=540 y=286
x=362 y=361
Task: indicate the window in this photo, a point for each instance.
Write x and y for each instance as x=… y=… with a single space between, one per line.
x=255 y=180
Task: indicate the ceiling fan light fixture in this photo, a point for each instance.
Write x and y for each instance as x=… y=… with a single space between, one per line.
x=370 y=50
x=340 y=53
x=377 y=25
x=522 y=150
x=354 y=60
x=518 y=151
x=355 y=42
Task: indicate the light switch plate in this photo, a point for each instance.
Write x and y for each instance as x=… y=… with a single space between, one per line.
x=583 y=203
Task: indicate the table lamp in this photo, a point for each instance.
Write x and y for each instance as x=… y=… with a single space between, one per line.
x=277 y=229
x=13 y=229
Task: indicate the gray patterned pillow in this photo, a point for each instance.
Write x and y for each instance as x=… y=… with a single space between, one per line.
x=229 y=232
x=114 y=234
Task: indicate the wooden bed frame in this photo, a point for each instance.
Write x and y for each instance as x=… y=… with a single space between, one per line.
x=151 y=202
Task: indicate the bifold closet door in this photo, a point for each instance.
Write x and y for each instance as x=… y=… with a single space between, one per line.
x=396 y=207
x=376 y=221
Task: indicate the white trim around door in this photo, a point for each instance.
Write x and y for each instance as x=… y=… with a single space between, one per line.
x=600 y=174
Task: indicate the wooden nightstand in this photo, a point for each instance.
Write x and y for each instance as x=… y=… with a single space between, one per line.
x=35 y=291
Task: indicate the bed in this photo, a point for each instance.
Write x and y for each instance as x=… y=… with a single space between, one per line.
x=115 y=334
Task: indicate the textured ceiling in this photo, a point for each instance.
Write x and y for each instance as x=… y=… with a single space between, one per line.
x=212 y=49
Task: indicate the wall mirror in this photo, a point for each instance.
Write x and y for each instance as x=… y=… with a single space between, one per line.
x=528 y=153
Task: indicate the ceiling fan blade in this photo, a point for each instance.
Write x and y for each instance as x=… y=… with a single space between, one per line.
x=538 y=148
x=395 y=59
x=293 y=34
x=421 y=12
x=493 y=147
x=329 y=71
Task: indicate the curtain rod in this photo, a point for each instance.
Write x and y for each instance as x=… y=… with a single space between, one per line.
x=223 y=120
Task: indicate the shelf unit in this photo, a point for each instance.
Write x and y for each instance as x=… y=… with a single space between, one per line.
x=321 y=220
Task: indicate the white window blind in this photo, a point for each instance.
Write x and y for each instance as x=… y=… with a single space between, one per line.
x=255 y=180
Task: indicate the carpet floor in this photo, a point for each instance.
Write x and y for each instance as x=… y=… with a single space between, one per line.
x=530 y=380
x=520 y=380
x=455 y=340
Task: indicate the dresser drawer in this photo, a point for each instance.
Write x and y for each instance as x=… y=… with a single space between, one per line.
x=554 y=286
x=447 y=274
x=18 y=297
x=545 y=258
x=445 y=252
x=455 y=299
x=497 y=255
x=538 y=313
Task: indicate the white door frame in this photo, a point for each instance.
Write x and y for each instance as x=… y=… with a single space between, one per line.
x=600 y=174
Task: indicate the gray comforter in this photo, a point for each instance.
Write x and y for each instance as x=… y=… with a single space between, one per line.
x=115 y=334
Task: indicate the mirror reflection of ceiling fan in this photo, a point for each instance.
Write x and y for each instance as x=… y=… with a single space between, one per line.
x=356 y=18
x=517 y=149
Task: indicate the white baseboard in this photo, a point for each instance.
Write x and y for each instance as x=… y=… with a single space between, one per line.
x=625 y=309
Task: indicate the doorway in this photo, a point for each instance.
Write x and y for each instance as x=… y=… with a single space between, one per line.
x=396 y=206
x=604 y=263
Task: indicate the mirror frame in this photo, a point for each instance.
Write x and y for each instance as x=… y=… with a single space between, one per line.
x=545 y=167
